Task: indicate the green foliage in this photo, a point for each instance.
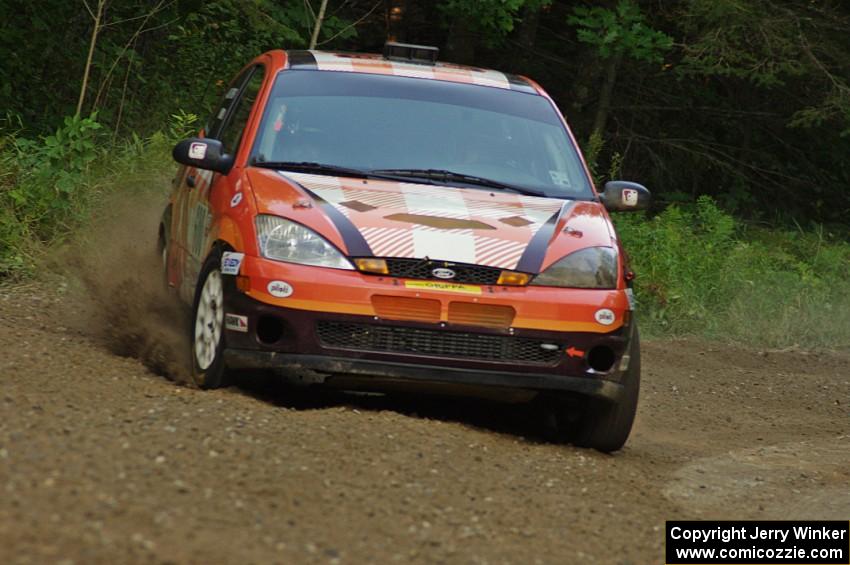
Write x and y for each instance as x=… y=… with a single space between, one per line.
x=49 y=174
x=591 y=154
x=183 y=125
x=749 y=40
x=209 y=44
x=615 y=169
x=702 y=272
x=622 y=30
x=492 y=18
x=49 y=185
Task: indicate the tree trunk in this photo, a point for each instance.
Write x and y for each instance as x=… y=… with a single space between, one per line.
x=94 y=32
x=123 y=95
x=318 y=27
x=606 y=93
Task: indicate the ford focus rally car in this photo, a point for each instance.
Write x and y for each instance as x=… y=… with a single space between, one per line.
x=390 y=222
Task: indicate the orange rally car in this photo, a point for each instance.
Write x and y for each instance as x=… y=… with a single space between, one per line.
x=386 y=222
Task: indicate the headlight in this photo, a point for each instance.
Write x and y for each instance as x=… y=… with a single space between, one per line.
x=284 y=240
x=594 y=267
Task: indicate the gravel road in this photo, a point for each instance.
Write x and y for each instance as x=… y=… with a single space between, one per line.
x=104 y=461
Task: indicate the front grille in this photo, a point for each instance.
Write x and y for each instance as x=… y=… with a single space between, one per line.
x=472 y=314
x=436 y=343
x=406 y=308
x=422 y=269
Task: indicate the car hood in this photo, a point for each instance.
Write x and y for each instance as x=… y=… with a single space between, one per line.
x=377 y=218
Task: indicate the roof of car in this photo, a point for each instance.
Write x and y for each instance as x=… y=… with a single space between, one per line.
x=377 y=64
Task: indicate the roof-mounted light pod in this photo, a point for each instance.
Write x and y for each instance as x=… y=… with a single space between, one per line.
x=411 y=53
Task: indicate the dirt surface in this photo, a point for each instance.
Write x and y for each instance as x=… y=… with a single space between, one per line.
x=104 y=461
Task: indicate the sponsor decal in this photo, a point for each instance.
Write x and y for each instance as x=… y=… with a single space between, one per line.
x=280 y=289
x=237 y=198
x=443 y=273
x=230 y=262
x=197 y=150
x=630 y=197
x=605 y=316
x=236 y=323
x=443 y=287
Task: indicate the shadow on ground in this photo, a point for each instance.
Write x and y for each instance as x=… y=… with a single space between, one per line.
x=522 y=420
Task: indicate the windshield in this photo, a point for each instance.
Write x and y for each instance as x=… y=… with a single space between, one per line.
x=374 y=122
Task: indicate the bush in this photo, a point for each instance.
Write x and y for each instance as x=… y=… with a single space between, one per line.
x=49 y=186
x=701 y=272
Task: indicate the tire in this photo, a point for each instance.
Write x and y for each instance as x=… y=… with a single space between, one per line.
x=597 y=423
x=163 y=240
x=207 y=329
x=162 y=253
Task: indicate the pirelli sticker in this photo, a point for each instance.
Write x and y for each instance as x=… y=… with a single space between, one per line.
x=443 y=287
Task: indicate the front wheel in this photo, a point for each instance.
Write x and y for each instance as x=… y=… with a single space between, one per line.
x=598 y=423
x=207 y=333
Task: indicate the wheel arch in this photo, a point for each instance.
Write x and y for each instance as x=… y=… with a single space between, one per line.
x=228 y=234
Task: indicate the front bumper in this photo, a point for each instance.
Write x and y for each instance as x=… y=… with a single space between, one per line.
x=289 y=340
x=360 y=373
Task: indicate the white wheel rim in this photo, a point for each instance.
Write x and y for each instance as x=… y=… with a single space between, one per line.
x=208 y=320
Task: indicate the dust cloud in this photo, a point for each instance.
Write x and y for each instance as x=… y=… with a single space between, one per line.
x=116 y=286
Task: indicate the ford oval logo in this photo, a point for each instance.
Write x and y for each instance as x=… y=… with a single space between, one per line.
x=442 y=273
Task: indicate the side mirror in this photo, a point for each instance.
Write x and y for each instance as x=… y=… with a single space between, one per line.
x=624 y=196
x=203 y=153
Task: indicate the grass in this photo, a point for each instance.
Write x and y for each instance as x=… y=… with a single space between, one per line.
x=702 y=272
x=50 y=187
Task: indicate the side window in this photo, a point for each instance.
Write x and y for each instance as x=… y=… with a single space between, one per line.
x=215 y=121
x=231 y=133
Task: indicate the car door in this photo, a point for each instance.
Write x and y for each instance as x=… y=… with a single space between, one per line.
x=194 y=212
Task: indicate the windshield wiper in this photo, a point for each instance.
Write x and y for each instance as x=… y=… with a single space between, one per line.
x=323 y=168
x=449 y=176
x=439 y=175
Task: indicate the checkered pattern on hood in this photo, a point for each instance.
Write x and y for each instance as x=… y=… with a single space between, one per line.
x=447 y=224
